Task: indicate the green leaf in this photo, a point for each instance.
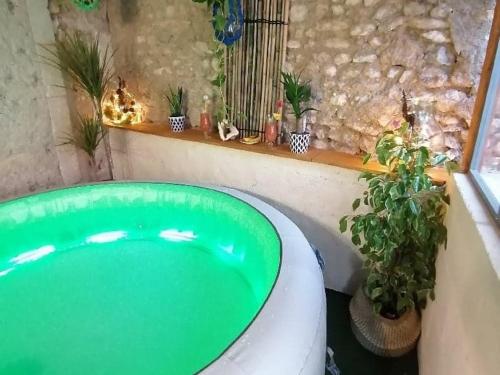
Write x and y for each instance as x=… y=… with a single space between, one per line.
x=356 y=240
x=414 y=207
x=367 y=158
x=451 y=167
x=416 y=184
x=394 y=192
x=439 y=159
x=356 y=204
x=377 y=292
x=343 y=224
x=422 y=156
x=219 y=22
x=219 y=80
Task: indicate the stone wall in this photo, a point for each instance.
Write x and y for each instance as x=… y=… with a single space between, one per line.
x=162 y=44
x=158 y=44
x=358 y=54
x=68 y=19
x=361 y=54
x=28 y=159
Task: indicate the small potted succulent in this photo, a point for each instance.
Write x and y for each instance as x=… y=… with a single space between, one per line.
x=297 y=93
x=177 y=118
x=398 y=235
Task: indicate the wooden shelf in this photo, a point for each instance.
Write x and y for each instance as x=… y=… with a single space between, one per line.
x=328 y=157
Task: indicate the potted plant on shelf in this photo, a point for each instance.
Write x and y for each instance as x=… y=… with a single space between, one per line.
x=399 y=237
x=177 y=118
x=297 y=93
x=87 y=136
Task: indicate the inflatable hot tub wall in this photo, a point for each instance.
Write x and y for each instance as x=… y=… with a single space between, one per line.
x=157 y=278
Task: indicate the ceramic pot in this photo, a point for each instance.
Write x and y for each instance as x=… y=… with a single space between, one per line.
x=299 y=142
x=177 y=123
x=382 y=336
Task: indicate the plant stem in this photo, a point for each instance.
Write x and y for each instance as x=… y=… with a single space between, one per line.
x=107 y=146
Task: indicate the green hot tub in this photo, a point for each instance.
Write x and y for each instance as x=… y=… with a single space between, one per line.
x=129 y=278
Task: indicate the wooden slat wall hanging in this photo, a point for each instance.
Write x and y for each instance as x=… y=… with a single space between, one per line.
x=254 y=65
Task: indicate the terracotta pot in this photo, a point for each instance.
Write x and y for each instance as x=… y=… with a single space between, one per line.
x=382 y=336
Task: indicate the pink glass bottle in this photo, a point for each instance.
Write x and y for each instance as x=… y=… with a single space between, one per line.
x=271 y=131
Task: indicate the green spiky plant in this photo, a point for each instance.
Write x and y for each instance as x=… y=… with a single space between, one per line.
x=87 y=136
x=403 y=229
x=90 y=67
x=176 y=101
x=297 y=93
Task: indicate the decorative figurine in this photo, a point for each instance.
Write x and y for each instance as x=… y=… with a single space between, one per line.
x=227 y=131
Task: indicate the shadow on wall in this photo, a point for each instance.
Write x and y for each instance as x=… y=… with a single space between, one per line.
x=129 y=10
x=338 y=255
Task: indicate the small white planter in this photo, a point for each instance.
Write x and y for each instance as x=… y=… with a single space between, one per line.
x=177 y=123
x=299 y=142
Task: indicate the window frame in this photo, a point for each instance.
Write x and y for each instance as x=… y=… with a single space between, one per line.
x=486 y=118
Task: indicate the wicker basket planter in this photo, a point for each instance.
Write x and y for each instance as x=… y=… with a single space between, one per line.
x=384 y=337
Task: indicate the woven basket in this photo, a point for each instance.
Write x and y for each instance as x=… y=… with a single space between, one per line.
x=384 y=337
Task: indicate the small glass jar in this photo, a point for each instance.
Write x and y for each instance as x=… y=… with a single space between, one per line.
x=205 y=123
x=429 y=132
x=271 y=131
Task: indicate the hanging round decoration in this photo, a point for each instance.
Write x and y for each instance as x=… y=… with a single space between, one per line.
x=233 y=28
x=86 y=4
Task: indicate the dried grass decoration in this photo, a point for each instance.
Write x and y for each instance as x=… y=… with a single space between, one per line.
x=87 y=4
x=121 y=108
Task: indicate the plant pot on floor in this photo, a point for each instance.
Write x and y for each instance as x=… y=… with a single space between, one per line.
x=299 y=142
x=177 y=123
x=382 y=336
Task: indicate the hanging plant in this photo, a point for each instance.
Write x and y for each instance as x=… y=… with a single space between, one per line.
x=87 y=5
x=227 y=19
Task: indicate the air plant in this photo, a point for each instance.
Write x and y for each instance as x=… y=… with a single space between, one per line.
x=297 y=93
x=89 y=68
x=175 y=101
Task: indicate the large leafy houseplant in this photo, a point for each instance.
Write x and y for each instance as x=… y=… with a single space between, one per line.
x=297 y=93
x=403 y=228
x=90 y=68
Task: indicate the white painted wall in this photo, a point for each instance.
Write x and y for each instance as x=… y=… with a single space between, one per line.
x=461 y=329
x=314 y=196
